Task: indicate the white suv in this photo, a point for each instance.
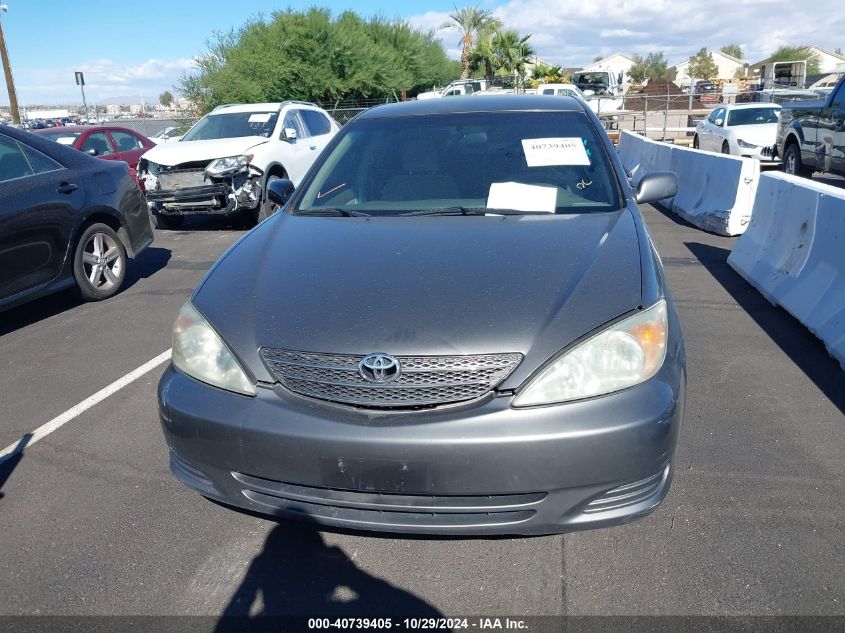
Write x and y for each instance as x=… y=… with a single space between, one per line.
x=223 y=164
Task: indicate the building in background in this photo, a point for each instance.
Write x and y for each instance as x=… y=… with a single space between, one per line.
x=616 y=64
x=728 y=65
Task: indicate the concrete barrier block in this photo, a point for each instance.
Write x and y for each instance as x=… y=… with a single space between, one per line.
x=793 y=252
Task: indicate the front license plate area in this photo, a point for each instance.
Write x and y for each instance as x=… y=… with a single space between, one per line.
x=375 y=475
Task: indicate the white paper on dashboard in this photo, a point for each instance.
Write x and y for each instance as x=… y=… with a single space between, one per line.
x=260 y=118
x=515 y=195
x=545 y=152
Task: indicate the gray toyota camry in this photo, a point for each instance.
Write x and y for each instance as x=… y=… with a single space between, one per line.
x=457 y=324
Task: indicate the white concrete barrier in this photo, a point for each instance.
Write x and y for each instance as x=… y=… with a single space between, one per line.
x=715 y=192
x=793 y=252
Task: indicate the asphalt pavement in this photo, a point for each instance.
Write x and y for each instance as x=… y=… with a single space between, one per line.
x=93 y=523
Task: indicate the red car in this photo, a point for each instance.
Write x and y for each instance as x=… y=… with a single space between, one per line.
x=110 y=143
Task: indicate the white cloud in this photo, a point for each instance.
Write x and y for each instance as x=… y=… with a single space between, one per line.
x=573 y=32
x=104 y=79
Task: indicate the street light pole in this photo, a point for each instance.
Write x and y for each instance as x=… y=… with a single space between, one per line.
x=7 y=70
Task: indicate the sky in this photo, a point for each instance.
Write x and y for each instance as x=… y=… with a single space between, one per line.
x=129 y=49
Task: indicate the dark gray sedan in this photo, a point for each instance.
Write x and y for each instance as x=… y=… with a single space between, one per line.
x=457 y=324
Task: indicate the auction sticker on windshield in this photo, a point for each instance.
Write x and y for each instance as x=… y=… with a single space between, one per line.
x=546 y=152
x=260 y=118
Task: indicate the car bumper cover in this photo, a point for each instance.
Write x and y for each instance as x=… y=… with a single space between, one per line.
x=484 y=468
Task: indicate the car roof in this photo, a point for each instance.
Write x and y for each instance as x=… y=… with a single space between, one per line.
x=258 y=107
x=82 y=128
x=455 y=105
x=748 y=106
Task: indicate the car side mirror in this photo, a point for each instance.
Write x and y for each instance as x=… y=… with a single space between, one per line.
x=91 y=152
x=289 y=134
x=279 y=191
x=719 y=122
x=657 y=186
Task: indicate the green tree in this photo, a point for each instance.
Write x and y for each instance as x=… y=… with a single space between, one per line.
x=702 y=66
x=482 y=56
x=512 y=52
x=316 y=56
x=470 y=21
x=166 y=98
x=652 y=67
x=734 y=50
x=795 y=54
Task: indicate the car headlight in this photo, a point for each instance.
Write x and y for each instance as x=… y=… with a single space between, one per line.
x=745 y=145
x=199 y=352
x=230 y=164
x=622 y=355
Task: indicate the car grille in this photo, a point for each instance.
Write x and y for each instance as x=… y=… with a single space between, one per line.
x=390 y=509
x=424 y=381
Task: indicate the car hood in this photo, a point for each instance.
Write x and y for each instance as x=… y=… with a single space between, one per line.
x=170 y=154
x=759 y=134
x=425 y=285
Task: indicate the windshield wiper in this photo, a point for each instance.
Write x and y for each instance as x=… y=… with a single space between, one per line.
x=333 y=212
x=465 y=211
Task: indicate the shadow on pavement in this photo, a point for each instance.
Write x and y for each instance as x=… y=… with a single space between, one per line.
x=791 y=336
x=148 y=263
x=297 y=574
x=10 y=462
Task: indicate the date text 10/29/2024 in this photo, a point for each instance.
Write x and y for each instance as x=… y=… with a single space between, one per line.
x=418 y=624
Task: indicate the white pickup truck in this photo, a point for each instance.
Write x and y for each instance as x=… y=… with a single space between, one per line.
x=457 y=88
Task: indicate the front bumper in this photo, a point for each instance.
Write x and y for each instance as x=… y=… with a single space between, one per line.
x=221 y=196
x=479 y=469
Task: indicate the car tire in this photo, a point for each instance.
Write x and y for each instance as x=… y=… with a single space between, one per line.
x=726 y=149
x=695 y=142
x=267 y=208
x=99 y=263
x=168 y=221
x=792 y=162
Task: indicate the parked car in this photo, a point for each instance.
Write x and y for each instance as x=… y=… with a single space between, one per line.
x=561 y=90
x=459 y=324
x=225 y=162
x=739 y=129
x=65 y=219
x=171 y=133
x=106 y=142
x=811 y=135
x=708 y=92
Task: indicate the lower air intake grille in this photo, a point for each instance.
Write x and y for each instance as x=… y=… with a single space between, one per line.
x=424 y=381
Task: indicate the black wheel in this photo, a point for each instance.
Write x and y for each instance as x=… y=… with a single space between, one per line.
x=726 y=148
x=792 y=162
x=695 y=142
x=99 y=263
x=267 y=207
x=168 y=221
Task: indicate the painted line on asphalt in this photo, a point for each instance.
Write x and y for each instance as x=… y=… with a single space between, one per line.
x=60 y=420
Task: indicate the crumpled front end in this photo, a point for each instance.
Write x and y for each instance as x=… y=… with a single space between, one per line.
x=190 y=188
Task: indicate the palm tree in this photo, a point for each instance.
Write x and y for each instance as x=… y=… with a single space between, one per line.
x=470 y=21
x=512 y=52
x=483 y=55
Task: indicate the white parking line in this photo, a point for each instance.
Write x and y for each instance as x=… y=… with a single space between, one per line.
x=60 y=420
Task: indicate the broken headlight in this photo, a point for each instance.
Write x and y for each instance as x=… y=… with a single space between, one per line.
x=229 y=165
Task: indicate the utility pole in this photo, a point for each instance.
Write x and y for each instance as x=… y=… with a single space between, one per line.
x=7 y=69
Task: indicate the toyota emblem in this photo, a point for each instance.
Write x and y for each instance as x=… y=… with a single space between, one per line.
x=379 y=368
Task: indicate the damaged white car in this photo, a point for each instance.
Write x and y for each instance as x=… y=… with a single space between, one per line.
x=224 y=163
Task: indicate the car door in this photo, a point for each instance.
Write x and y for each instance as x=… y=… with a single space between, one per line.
x=39 y=203
x=831 y=132
x=98 y=143
x=129 y=148
x=708 y=141
x=319 y=129
x=298 y=155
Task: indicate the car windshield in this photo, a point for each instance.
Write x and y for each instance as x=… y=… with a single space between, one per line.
x=541 y=162
x=232 y=125
x=752 y=116
x=62 y=136
x=591 y=80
